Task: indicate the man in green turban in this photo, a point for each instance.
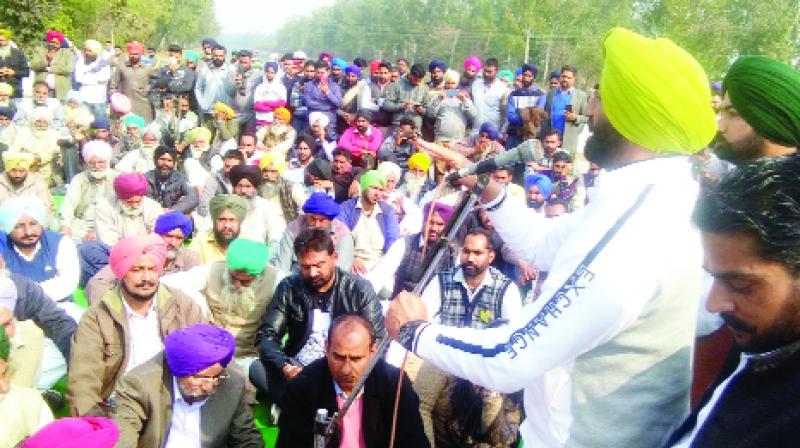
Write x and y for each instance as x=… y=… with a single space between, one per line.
x=238 y=290
x=760 y=111
x=227 y=213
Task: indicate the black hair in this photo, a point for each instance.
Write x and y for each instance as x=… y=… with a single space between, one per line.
x=417 y=70
x=552 y=132
x=562 y=156
x=219 y=47
x=161 y=150
x=360 y=62
x=409 y=122
x=320 y=64
x=352 y=319
x=761 y=199
x=401 y=59
x=569 y=68
x=480 y=231
x=339 y=151
x=234 y=154
x=311 y=239
x=385 y=64
x=309 y=140
x=492 y=62
x=309 y=62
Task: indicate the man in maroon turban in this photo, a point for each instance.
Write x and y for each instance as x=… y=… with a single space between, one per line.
x=127 y=326
x=205 y=403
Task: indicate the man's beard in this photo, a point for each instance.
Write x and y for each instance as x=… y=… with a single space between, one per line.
x=223 y=240
x=15 y=182
x=172 y=254
x=217 y=63
x=134 y=59
x=472 y=270
x=164 y=173
x=526 y=85
x=602 y=147
x=488 y=80
x=749 y=149
x=130 y=212
x=241 y=301
x=536 y=205
x=784 y=331
x=137 y=296
x=270 y=189
x=413 y=183
x=25 y=245
x=98 y=175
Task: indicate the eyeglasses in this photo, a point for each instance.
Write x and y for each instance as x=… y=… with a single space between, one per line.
x=206 y=380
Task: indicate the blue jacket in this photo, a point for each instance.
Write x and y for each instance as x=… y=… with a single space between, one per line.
x=387 y=222
x=517 y=100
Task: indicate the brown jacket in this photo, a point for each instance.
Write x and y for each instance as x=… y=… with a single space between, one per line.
x=144 y=412
x=101 y=345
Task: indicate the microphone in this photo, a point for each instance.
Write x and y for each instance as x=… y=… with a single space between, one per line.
x=528 y=151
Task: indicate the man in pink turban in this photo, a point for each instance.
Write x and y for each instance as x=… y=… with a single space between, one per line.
x=193 y=368
x=127 y=326
x=74 y=432
x=472 y=66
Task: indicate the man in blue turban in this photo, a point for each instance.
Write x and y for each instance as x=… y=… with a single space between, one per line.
x=320 y=212
x=437 y=68
x=205 y=399
x=538 y=189
x=174 y=227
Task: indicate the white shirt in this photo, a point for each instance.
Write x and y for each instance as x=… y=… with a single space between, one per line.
x=67 y=269
x=512 y=301
x=367 y=236
x=93 y=79
x=184 y=429
x=145 y=336
x=703 y=414
x=488 y=100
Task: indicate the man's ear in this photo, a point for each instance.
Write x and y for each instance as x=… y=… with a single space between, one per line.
x=373 y=348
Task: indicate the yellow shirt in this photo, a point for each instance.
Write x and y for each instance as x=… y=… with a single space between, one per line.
x=206 y=245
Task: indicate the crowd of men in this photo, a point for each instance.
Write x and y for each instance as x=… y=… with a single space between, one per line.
x=240 y=231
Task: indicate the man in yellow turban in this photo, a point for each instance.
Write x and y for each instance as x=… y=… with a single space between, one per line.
x=17 y=181
x=284 y=195
x=608 y=342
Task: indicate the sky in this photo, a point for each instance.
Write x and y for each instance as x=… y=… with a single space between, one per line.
x=250 y=16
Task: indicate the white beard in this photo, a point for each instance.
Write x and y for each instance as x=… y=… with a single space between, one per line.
x=241 y=301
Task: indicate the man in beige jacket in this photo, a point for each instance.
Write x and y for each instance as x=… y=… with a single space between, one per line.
x=127 y=326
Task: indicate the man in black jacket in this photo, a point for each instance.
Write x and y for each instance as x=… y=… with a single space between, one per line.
x=170 y=187
x=749 y=226
x=302 y=308
x=325 y=384
x=13 y=64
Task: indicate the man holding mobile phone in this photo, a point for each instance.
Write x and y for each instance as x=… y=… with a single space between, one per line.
x=566 y=106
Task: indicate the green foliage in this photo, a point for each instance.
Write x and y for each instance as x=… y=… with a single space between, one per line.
x=154 y=22
x=27 y=19
x=561 y=31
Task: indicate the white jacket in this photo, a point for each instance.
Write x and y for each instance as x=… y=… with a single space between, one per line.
x=604 y=354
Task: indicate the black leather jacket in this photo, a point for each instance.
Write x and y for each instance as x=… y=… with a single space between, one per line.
x=289 y=312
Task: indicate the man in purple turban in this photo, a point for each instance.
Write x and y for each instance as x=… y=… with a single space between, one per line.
x=204 y=404
x=418 y=245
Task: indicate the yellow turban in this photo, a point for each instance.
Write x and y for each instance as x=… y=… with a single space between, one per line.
x=420 y=161
x=655 y=94
x=273 y=160
x=13 y=159
x=6 y=88
x=222 y=107
x=5 y=32
x=200 y=131
x=93 y=47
